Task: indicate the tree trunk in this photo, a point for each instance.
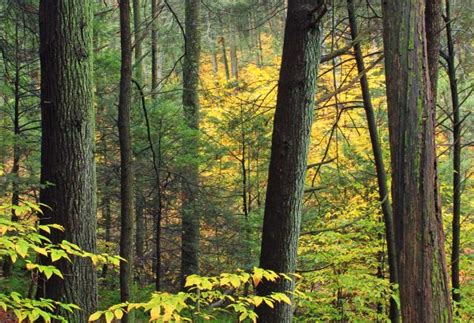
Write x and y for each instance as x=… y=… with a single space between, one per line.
x=138 y=37
x=190 y=212
x=126 y=177
x=224 y=58
x=234 y=62
x=8 y=264
x=140 y=223
x=290 y=141
x=424 y=293
x=456 y=225
x=154 y=48
x=378 y=157
x=67 y=148
x=155 y=78
x=106 y=213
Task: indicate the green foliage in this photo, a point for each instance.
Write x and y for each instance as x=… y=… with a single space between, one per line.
x=207 y=298
x=22 y=243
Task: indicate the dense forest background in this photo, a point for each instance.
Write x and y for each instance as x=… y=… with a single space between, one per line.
x=183 y=94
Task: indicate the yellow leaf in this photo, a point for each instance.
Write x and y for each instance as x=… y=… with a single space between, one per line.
x=285 y=299
x=45 y=228
x=22 y=248
x=257 y=300
x=269 y=303
x=118 y=313
x=95 y=316
x=55 y=256
x=109 y=316
x=41 y=250
x=30 y=266
x=256 y=281
x=155 y=313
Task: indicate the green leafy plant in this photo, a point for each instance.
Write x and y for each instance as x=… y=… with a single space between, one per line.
x=24 y=240
x=205 y=298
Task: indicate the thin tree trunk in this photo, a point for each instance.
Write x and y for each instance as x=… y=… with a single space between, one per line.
x=8 y=264
x=424 y=293
x=106 y=212
x=290 y=142
x=155 y=78
x=456 y=225
x=190 y=212
x=158 y=216
x=126 y=177
x=234 y=62
x=67 y=148
x=139 y=199
x=224 y=58
x=138 y=38
x=140 y=223
x=378 y=157
x=212 y=45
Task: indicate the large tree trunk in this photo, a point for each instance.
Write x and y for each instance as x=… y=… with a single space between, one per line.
x=424 y=293
x=378 y=157
x=456 y=225
x=126 y=177
x=190 y=212
x=67 y=148
x=290 y=141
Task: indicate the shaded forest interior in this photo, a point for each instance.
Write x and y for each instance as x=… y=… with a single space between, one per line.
x=236 y=161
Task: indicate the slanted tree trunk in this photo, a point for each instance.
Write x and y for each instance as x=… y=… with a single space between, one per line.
x=224 y=58
x=67 y=148
x=126 y=177
x=424 y=292
x=378 y=158
x=290 y=142
x=456 y=225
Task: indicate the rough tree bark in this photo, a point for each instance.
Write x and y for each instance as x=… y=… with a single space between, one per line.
x=67 y=148
x=424 y=293
x=190 y=212
x=378 y=158
x=290 y=142
x=126 y=177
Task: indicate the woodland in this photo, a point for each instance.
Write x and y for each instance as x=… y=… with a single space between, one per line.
x=236 y=161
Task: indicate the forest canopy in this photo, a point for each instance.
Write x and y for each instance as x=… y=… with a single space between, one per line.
x=236 y=161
